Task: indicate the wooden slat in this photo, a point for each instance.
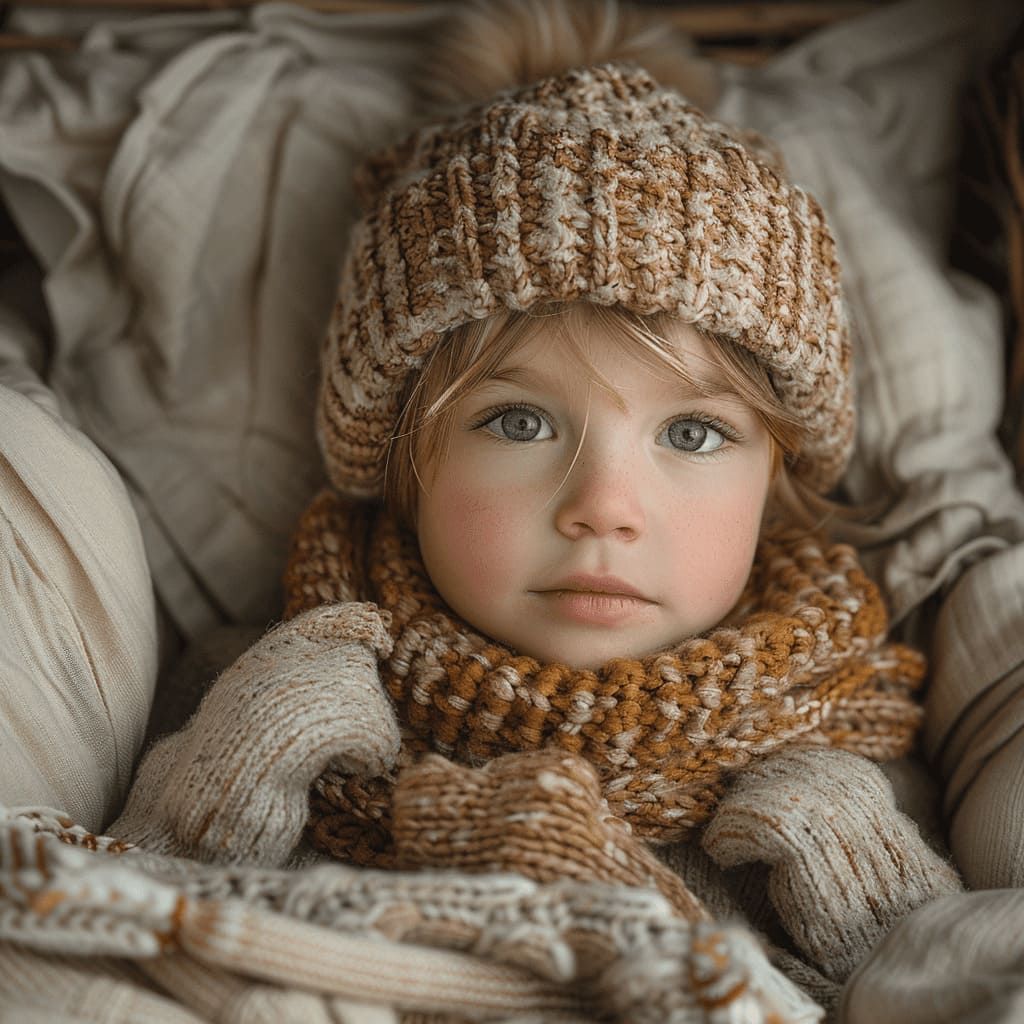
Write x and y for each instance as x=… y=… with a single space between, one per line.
x=725 y=21
x=749 y=55
x=158 y=6
x=705 y=22
x=10 y=41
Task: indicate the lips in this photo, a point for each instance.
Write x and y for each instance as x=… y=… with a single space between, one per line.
x=585 y=583
x=596 y=600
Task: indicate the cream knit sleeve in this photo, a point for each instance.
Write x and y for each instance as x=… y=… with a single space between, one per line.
x=846 y=864
x=231 y=787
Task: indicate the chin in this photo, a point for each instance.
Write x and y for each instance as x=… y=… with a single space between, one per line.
x=592 y=657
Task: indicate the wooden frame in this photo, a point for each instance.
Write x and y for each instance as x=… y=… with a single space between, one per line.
x=743 y=32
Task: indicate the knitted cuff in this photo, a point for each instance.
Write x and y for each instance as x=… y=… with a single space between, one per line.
x=846 y=864
x=538 y=813
x=233 y=785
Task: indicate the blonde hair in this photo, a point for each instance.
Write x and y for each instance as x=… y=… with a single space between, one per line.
x=472 y=353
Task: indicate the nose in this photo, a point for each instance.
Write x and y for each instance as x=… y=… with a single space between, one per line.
x=601 y=498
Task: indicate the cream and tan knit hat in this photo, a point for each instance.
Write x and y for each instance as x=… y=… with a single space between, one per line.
x=595 y=185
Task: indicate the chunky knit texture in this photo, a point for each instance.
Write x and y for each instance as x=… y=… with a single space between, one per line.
x=347 y=698
x=539 y=813
x=168 y=941
x=807 y=664
x=845 y=867
x=597 y=185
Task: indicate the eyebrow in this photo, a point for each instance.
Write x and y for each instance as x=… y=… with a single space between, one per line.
x=712 y=385
x=521 y=375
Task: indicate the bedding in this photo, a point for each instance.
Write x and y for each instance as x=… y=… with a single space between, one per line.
x=988 y=222
x=183 y=183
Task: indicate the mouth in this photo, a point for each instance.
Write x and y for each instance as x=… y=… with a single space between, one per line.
x=596 y=600
x=604 y=586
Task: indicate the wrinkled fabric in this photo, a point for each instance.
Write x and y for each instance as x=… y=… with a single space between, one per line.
x=956 y=960
x=75 y=694
x=869 y=127
x=184 y=182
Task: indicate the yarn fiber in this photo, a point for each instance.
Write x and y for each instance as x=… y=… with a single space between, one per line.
x=596 y=185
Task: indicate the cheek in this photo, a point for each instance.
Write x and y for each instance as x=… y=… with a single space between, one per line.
x=482 y=527
x=717 y=538
x=469 y=538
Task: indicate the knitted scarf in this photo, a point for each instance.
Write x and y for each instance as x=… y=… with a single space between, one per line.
x=803 y=661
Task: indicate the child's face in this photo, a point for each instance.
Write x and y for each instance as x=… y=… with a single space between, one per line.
x=576 y=528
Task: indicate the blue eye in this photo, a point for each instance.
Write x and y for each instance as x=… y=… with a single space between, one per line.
x=693 y=436
x=520 y=423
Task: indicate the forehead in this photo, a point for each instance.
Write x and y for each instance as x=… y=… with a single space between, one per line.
x=579 y=344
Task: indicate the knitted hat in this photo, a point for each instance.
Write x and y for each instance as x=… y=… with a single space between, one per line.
x=594 y=185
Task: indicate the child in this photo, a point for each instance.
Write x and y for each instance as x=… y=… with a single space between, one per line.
x=553 y=259
x=589 y=349
x=586 y=385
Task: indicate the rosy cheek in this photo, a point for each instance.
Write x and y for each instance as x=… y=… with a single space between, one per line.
x=735 y=542
x=718 y=538
x=479 y=531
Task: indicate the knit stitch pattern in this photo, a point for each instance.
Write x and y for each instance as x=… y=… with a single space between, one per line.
x=845 y=868
x=539 y=813
x=242 y=944
x=596 y=185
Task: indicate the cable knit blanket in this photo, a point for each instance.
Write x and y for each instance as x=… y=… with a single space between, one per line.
x=183 y=183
